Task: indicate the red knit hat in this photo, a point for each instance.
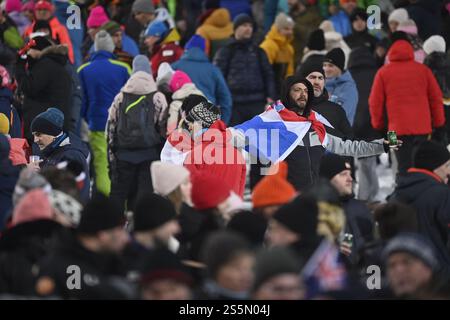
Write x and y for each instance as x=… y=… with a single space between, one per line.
x=44 y=5
x=35 y=205
x=273 y=189
x=208 y=190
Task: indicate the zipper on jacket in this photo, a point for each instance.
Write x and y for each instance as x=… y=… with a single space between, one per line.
x=309 y=158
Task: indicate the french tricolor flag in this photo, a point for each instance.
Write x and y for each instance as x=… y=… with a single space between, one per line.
x=177 y=147
x=270 y=136
x=275 y=133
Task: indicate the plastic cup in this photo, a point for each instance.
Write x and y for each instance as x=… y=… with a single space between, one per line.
x=34 y=159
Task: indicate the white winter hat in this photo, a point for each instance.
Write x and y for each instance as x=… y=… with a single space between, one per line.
x=165 y=73
x=434 y=44
x=166 y=177
x=399 y=15
x=103 y=41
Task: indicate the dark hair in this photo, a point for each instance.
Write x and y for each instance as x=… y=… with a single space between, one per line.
x=61 y=180
x=222 y=247
x=395 y=217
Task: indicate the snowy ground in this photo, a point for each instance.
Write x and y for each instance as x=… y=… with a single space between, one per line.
x=385 y=179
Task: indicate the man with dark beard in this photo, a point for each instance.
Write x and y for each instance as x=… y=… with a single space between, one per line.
x=304 y=161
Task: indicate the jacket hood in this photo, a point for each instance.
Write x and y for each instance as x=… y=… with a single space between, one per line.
x=411 y=186
x=220 y=18
x=276 y=36
x=361 y=58
x=186 y=90
x=172 y=36
x=435 y=60
x=401 y=50
x=140 y=83
x=195 y=54
x=332 y=36
x=285 y=96
x=58 y=53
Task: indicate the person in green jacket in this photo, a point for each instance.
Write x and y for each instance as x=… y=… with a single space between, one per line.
x=9 y=34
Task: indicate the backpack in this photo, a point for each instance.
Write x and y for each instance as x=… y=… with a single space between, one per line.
x=136 y=127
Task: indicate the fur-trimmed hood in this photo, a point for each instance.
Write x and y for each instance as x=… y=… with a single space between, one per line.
x=59 y=53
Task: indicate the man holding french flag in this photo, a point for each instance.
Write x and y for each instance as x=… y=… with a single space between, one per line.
x=299 y=136
x=289 y=130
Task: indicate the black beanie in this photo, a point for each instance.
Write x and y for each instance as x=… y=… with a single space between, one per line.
x=191 y=101
x=205 y=112
x=332 y=164
x=49 y=122
x=337 y=57
x=358 y=13
x=430 y=155
x=288 y=83
x=161 y=264
x=309 y=67
x=221 y=248
x=152 y=211
x=42 y=43
x=240 y=19
x=251 y=226
x=99 y=214
x=316 y=40
x=299 y=216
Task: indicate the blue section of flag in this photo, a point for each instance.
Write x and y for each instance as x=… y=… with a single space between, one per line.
x=324 y=271
x=267 y=140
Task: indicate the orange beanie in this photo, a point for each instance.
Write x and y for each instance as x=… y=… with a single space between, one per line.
x=273 y=189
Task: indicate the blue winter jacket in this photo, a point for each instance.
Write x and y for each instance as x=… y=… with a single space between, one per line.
x=101 y=80
x=208 y=79
x=8 y=178
x=341 y=23
x=69 y=147
x=342 y=90
x=236 y=7
x=15 y=127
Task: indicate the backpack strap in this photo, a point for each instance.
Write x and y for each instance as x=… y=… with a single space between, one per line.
x=130 y=106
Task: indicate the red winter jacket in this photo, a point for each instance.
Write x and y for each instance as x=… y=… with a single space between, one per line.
x=214 y=152
x=409 y=93
x=19 y=152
